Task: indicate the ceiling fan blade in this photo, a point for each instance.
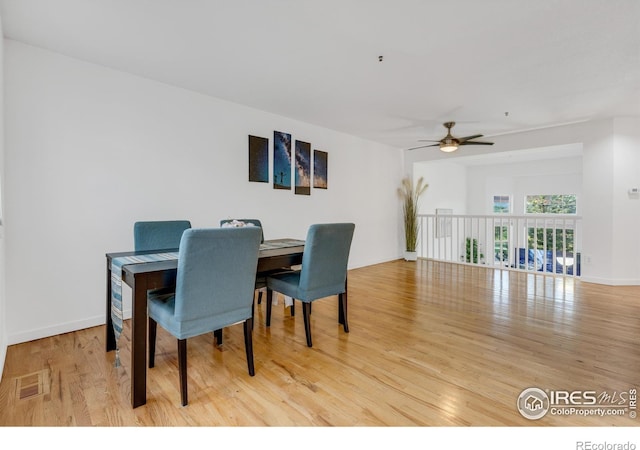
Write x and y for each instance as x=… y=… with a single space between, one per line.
x=428 y=140
x=466 y=138
x=423 y=146
x=475 y=143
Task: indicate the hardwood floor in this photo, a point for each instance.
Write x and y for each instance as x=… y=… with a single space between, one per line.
x=430 y=344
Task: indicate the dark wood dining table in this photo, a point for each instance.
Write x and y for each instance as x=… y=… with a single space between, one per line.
x=141 y=277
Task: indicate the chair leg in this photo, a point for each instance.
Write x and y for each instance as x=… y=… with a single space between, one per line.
x=153 y=326
x=269 y=303
x=259 y=297
x=306 y=312
x=218 y=335
x=342 y=311
x=182 y=364
x=248 y=345
x=292 y=308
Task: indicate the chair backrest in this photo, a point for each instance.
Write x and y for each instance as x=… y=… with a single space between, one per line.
x=158 y=235
x=325 y=259
x=255 y=222
x=217 y=274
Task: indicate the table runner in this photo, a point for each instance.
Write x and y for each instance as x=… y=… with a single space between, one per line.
x=116 y=287
x=281 y=243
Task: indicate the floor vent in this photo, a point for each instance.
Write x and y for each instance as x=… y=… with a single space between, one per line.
x=32 y=385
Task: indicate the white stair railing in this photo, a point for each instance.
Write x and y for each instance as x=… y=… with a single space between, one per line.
x=549 y=243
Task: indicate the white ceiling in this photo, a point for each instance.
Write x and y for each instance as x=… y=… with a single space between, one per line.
x=544 y=62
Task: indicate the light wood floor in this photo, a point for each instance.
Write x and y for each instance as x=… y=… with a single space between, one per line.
x=431 y=344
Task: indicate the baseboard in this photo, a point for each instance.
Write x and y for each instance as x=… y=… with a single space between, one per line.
x=67 y=327
x=610 y=282
x=375 y=262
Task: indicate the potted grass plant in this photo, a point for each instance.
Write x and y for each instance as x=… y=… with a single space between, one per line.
x=410 y=196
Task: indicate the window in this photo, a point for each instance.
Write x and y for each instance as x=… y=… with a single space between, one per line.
x=556 y=238
x=501 y=243
x=550 y=204
x=501 y=204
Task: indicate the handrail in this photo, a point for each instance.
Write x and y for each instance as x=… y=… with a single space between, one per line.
x=546 y=243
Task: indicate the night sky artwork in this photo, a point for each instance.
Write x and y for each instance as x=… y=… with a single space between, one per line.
x=281 y=160
x=258 y=159
x=320 y=169
x=303 y=168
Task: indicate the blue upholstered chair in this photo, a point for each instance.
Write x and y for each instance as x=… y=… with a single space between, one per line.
x=323 y=272
x=261 y=277
x=214 y=289
x=261 y=280
x=158 y=235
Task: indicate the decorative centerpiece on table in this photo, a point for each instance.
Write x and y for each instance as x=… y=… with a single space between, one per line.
x=237 y=224
x=410 y=197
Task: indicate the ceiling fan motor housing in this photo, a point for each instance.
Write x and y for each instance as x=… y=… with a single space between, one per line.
x=449 y=143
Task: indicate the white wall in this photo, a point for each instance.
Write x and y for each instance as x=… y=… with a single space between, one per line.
x=611 y=216
x=626 y=207
x=3 y=317
x=545 y=176
x=469 y=189
x=447 y=186
x=90 y=150
x=598 y=220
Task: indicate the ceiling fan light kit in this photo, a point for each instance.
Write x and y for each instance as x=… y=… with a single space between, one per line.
x=450 y=144
x=448 y=147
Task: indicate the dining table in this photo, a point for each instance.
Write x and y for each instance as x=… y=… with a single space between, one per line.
x=142 y=275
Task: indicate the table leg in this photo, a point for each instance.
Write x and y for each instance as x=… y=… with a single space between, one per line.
x=139 y=341
x=110 y=337
x=340 y=312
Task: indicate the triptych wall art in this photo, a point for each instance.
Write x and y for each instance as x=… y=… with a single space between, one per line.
x=292 y=165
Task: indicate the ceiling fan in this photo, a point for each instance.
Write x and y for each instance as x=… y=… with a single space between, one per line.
x=450 y=143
